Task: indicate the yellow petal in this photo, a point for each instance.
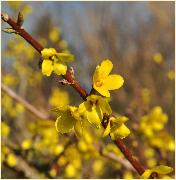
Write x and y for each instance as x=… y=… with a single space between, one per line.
x=120 y=119
x=113 y=82
x=65 y=122
x=78 y=127
x=105 y=68
x=65 y=57
x=104 y=105
x=162 y=169
x=107 y=130
x=93 y=98
x=83 y=107
x=102 y=71
x=47 y=67
x=96 y=76
x=60 y=68
x=47 y=52
x=146 y=174
x=94 y=116
x=120 y=132
x=103 y=91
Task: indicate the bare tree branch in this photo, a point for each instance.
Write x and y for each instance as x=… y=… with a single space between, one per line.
x=26 y=104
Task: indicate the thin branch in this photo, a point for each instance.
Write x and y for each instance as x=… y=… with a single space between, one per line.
x=26 y=104
x=127 y=153
x=112 y=156
x=20 y=30
x=115 y=158
x=120 y=144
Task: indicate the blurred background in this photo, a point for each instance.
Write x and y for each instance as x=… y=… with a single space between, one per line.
x=138 y=37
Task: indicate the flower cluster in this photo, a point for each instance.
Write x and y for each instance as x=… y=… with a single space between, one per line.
x=95 y=107
x=152 y=126
x=54 y=61
x=92 y=110
x=153 y=122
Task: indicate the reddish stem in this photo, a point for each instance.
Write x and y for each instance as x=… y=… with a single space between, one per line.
x=22 y=32
x=127 y=153
x=76 y=85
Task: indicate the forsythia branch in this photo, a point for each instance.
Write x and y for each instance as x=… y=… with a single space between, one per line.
x=120 y=144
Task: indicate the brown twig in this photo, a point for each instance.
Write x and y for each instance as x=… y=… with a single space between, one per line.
x=26 y=104
x=120 y=144
x=127 y=153
x=21 y=31
x=114 y=157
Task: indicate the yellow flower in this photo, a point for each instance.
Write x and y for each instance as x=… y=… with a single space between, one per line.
x=116 y=128
x=9 y=80
x=151 y=162
x=53 y=61
x=171 y=75
x=19 y=108
x=53 y=172
x=97 y=167
x=103 y=82
x=11 y=160
x=154 y=121
x=63 y=44
x=26 y=144
x=58 y=149
x=158 y=58
x=160 y=170
x=48 y=52
x=161 y=139
x=83 y=147
x=70 y=171
x=59 y=98
x=5 y=129
x=65 y=121
x=62 y=161
x=149 y=152
x=69 y=118
x=94 y=108
x=54 y=34
x=128 y=175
